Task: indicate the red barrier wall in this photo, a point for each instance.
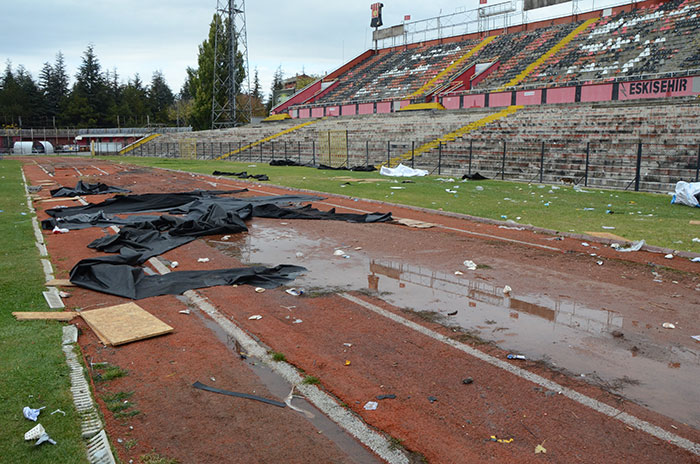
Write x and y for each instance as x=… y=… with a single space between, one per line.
x=500 y=99
x=561 y=95
x=317 y=112
x=366 y=108
x=474 y=101
x=349 y=110
x=659 y=88
x=304 y=113
x=528 y=97
x=451 y=103
x=384 y=107
x=594 y=93
x=332 y=111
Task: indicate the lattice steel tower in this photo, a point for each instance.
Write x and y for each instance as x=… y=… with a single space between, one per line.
x=231 y=103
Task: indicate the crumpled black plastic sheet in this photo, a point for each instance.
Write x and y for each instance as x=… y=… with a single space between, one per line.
x=307 y=212
x=241 y=175
x=84 y=188
x=147 y=202
x=353 y=168
x=116 y=276
x=475 y=176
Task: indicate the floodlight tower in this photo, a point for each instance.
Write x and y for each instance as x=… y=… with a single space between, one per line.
x=231 y=100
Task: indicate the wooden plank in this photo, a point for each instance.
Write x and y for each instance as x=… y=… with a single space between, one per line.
x=124 y=323
x=49 y=316
x=695 y=223
x=415 y=224
x=59 y=283
x=51 y=200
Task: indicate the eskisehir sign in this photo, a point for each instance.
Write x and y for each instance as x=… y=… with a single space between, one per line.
x=676 y=87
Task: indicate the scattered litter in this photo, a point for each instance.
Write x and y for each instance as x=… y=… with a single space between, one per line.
x=668 y=325
x=695 y=337
x=297 y=321
x=338 y=253
x=479 y=188
x=347 y=362
x=203 y=260
x=467 y=381
x=516 y=356
x=32 y=414
x=288 y=402
x=386 y=397
x=432 y=399
x=450 y=191
x=23 y=213
x=35 y=432
x=299 y=254
x=635 y=246
x=608 y=227
x=358 y=248
x=695 y=260
x=588 y=209
x=397 y=188
x=669 y=256
x=540 y=449
x=459 y=273
x=696 y=239
x=371 y=406
x=686 y=193
x=201 y=386
x=585 y=244
x=255 y=317
x=295 y=291
x=471 y=265
x=347 y=344
x=346 y=256
x=501 y=440
x=57 y=411
x=184 y=311
x=174 y=264
x=58 y=230
x=546 y=204
x=402 y=171
x=64 y=294
x=507 y=290
x=615 y=246
x=259 y=289
x=599 y=263
x=453 y=313
x=225 y=237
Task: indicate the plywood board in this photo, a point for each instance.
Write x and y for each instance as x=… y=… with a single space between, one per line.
x=51 y=200
x=53 y=315
x=124 y=323
x=59 y=283
x=415 y=224
x=695 y=223
x=608 y=235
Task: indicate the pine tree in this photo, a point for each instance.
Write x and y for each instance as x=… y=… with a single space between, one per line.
x=160 y=97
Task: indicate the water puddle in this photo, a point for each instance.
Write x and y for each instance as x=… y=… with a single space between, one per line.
x=567 y=334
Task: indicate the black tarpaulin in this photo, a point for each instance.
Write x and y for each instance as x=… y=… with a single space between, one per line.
x=116 y=276
x=475 y=176
x=140 y=203
x=84 y=188
x=353 y=168
x=99 y=219
x=241 y=175
x=307 y=212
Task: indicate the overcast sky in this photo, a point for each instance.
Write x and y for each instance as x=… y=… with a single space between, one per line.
x=143 y=36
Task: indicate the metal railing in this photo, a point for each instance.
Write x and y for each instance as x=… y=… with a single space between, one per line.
x=617 y=164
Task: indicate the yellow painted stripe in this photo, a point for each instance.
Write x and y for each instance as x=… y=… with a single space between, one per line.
x=423 y=106
x=267 y=139
x=138 y=143
x=532 y=66
x=451 y=67
x=450 y=137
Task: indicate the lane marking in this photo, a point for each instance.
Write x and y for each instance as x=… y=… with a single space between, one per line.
x=323 y=401
x=580 y=398
x=102 y=171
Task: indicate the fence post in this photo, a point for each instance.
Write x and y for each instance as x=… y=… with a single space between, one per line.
x=471 y=146
x=285 y=150
x=439 y=157
x=503 y=162
x=413 y=154
x=299 y=151
x=366 y=153
x=388 y=154
x=697 y=167
x=639 y=167
x=313 y=151
x=542 y=163
x=588 y=154
x=261 y=147
x=347 y=151
x=273 y=150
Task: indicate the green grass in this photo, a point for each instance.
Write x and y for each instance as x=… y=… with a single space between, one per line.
x=155 y=458
x=635 y=215
x=277 y=356
x=311 y=380
x=106 y=372
x=33 y=370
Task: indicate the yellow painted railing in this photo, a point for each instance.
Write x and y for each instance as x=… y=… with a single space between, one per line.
x=138 y=143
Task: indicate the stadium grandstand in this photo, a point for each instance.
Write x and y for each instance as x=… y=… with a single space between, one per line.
x=607 y=98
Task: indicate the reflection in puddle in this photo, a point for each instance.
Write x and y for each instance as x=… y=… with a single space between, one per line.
x=586 y=341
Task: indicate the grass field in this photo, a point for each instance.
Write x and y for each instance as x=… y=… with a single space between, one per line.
x=631 y=215
x=33 y=370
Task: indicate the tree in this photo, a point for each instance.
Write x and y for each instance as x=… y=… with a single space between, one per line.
x=20 y=98
x=90 y=96
x=258 y=106
x=53 y=82
x=160 y=97
x=277 y=79
x=134 y=103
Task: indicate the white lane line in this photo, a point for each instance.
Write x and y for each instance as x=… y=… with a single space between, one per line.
x=102 y=171
x=324 y=402
x=78 y=171
x=580 y=398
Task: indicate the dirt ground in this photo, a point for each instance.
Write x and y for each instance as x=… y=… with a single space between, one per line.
x=596 y=329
